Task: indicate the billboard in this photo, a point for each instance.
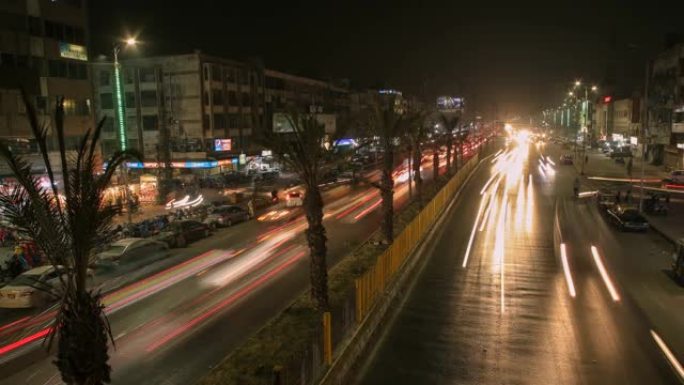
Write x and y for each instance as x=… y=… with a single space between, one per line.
x=73 y=51
x=450 y=103
x=282 y=124
x=222 y=145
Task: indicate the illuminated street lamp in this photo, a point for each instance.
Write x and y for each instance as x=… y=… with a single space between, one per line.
x=577 y=83
x=121 y=114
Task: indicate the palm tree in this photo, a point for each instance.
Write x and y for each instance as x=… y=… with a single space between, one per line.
x=66 y=224
x=304 y=150
x=415 y=135
x=388 y=124
x=450 y=123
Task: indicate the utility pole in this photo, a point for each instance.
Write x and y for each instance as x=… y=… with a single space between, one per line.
x=644 y=126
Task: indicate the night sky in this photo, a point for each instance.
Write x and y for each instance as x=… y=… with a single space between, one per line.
x=513 y=57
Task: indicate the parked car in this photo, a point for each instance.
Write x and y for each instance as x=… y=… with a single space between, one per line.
x=566 y=159
x=129 y=249
x=33 y=288
x=627 y=217
x=621 y=152
x=605 y=200
x=180 y=233
x=227 y=216
x=295 y=198
x=678 y=262
x=676 y=177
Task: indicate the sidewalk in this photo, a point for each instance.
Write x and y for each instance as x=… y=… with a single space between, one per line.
x=600 y=165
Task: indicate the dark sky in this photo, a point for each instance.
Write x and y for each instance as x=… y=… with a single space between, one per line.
x=514 y=56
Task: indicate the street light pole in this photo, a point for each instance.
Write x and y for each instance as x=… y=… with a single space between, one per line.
x=121 y=120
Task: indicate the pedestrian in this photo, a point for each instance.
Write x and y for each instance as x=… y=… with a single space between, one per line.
x=586 y=159
x=250 y=207
x=617 y=197
x=628 y=196
x=629 y=168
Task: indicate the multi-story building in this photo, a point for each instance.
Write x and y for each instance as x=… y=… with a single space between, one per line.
x=210 y=108
x=665 y=125
x=43 y=52
x=203 y=104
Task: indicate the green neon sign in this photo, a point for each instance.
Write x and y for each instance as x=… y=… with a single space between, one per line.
x=120 y=108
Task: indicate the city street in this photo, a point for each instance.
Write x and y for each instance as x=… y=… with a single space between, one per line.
x=204 y=300
x=496 y=304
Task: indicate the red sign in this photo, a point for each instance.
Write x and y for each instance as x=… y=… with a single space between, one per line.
x=607 y=99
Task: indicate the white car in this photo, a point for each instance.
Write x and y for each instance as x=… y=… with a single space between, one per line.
x=32 y=288
x=677 y=177
x=130 y=248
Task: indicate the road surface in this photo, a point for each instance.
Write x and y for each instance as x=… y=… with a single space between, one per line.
x=505 y=308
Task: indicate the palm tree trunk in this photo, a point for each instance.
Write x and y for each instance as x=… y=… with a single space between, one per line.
x=417 y=178
x=316 y=240
x=449 y=144
x=387 y=194
x=435 y=166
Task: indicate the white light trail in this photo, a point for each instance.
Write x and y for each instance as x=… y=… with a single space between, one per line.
x=499 y=256
x=604 y=274
x=566 y=271
x=669 y=355
x=491 y=179
x=472 y=233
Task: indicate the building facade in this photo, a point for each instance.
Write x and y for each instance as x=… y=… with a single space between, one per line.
x=665 y=126
x=207 y=107
x=43 y=52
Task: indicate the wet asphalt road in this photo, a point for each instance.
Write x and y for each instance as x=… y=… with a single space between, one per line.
x=508 y=316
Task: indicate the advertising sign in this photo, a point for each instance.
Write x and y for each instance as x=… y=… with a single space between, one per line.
x=222 y=145
x=73 y=51
x=450 y=103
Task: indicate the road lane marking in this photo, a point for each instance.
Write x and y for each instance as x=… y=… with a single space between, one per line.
x=604 y=274
x=491 y=179
x=566 y=270
x=669 y=355
x=472 y=233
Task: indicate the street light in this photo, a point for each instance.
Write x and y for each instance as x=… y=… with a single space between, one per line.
x=571 y=94
x=594 y=88
x=577 y=83
x=121 y=113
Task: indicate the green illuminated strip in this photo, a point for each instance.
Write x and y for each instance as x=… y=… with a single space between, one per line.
x=121 y=108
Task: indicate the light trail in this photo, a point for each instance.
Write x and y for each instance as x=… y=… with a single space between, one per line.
x=566 y=271
x=223 y=304
x=499 y=254
x=485 y=217
x=472 y=233
x=669 y=355
x=491 y=179
x=368 y=210
x=604 y=274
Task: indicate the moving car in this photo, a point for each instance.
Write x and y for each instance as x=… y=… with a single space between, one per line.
x=566 y=159
x=227 y=215
x=180 y=233
x=295 y=198
x=33 y=288
x=627 y=217
x=130 y=248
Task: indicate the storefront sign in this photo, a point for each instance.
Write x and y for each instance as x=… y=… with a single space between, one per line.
x=222 y=145
x=73 y=51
